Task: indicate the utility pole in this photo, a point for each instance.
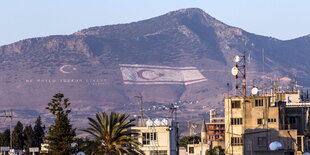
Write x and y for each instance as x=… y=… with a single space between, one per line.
x=9 y=114
x=174 y=109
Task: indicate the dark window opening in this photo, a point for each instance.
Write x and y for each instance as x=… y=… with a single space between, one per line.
x=236 y=121
x=259 y=103
x=235 y=104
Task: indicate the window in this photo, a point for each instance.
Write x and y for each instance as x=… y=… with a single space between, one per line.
x=159 y=152
x=191 y=150
x=259 y=103
x=236 y=141
x=272 y=120
x=259 y=121
x=261 y=141
x=235 y=104
x=148 y=137
x=236 y=121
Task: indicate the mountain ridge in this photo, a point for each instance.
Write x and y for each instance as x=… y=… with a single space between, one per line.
x=182 y=38
x=177 y=12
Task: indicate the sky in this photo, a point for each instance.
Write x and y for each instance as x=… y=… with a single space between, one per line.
x=282 y=19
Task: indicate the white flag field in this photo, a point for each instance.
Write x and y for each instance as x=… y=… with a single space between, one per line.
x=148 y=74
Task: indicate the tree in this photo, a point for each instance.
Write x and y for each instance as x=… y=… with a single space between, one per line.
x=18 y=137
x=112 y=134
x=5 y=138
x=28 y=137
x=218 y=150
x=61 y=133
x=189 y=140
x=38 y=132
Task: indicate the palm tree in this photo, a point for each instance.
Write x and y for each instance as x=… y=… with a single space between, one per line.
x=112 y=134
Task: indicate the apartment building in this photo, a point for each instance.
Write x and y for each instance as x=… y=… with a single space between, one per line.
x=253 y=122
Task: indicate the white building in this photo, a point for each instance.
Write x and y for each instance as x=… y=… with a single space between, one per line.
x=158 y=136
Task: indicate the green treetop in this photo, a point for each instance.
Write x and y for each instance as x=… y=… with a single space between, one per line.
x=38 y=132
x=5 y=138
x=28 y=137
x=60 y=134
x=18 y=137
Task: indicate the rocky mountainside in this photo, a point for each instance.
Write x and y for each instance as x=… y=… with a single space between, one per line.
x=85 y=66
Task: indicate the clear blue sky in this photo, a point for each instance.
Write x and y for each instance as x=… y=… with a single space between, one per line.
x=21 y=19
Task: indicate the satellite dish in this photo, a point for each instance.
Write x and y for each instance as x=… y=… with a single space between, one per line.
x=275 y=146
x=157 y=122
x=164 y=122
x=149 y=123
x=236 y=58
x=234 y=71
x=254 y=91
x=80 y=153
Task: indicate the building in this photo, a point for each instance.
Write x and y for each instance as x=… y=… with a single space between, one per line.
x=215 y=130
x=212 y=135
x=182 y=151
x=253 y=122
x=158 y=136
x=203 y=146
x=197 y=149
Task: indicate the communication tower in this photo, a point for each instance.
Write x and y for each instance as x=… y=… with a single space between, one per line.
x=239 y=72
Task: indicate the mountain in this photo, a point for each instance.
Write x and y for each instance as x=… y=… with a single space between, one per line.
x=85 y=66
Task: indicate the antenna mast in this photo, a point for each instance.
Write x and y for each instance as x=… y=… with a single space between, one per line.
x=244 y=76
x=264 y=76
x=228 y=93
x=239 y=71
x=141 y=108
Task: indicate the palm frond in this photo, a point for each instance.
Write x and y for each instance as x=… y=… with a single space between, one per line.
x=113 y=134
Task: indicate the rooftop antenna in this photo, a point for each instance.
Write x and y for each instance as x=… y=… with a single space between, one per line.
x=296 y=85
x=239 y=71
x=173 y=109
x=249 y=58
x=192 y=127
x=293 y=85
x=141 y=108
x=275 y=85
x=228 y=92
x=263 y=57
x=254 y=90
